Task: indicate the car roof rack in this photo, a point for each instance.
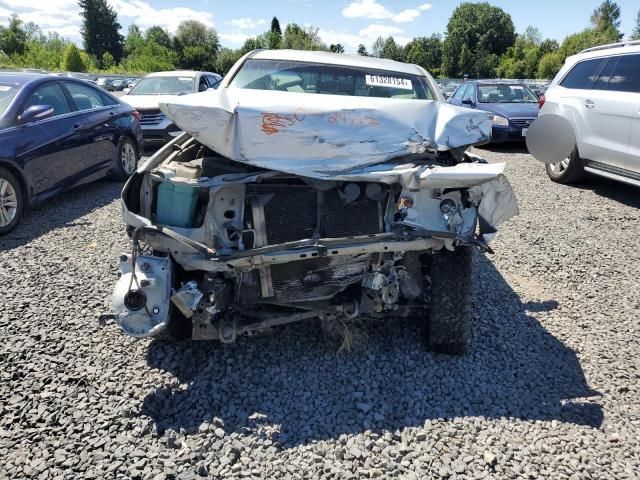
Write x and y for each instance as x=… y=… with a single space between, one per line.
x=626 y=43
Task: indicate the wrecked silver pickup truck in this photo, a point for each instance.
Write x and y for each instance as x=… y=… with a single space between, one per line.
x=311 y=185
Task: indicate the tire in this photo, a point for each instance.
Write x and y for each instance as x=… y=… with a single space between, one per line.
x=11 y=201
x=570 y=170
x=451 y=296
x=127 y=159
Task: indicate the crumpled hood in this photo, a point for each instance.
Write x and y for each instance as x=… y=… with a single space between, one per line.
x=322 y=136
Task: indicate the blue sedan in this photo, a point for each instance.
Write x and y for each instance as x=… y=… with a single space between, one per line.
x=57 y=133
x=513 y=106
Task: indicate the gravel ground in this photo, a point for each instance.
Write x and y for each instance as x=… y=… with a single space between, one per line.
x=549 y=390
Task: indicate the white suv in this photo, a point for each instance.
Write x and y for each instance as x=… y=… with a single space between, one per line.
x=598 y=91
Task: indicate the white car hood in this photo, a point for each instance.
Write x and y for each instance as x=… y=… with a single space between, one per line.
x=330 y=136
x=148 y=101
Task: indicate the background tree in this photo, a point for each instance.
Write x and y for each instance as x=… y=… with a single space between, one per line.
x=299 y=38
x=197 y=45
x=474 y=29
x=100 y=29
x=376 y=48
x=391 y=50
x=635 y=35
x=362 y=50
x=134 y=39
x=522 y=59
x=275 y=26
x=108 y=62
x=226 y=59
x=158 y=35
x=71 y=59
x=336 y=48
x=606 y=16
x=426 y=52
x=13 y=38
x=549 y=65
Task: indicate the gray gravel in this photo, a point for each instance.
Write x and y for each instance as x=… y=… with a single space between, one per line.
x=549 y=390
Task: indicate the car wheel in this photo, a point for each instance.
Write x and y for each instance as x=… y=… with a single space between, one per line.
x=127 y=159
x=11 y=201
x=569 y=170
x=451 y=296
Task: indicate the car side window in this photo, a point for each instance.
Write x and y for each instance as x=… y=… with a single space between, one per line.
x=624 y=76
x=84 y=97
x=213 y=81
x=202 y=86
x=583 y=74
x=468 y=92
x=49 y=94
x=460 y=92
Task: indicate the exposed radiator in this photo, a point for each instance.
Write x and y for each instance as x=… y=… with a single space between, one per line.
x=291 y=213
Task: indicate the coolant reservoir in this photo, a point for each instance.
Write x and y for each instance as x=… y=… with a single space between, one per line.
x=176 y=205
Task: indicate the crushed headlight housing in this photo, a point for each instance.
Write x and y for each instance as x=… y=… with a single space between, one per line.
x=499 y=120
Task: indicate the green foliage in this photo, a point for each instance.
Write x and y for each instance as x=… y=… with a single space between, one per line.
x=522 y=59
x=134 y=39
x=275 y=27
x=71 y=59
x=362 y=50
x=391 y=50
x=158 y=35
x=586 y=39
x=150 y=57
x=298 y=38
x=474 y=29
x=426 y=52
x=550 y=64
x=606 y=16
x=225 y=60
x=13 y=39
x=100 y=29
x=377 y=46
x=197 y=45
x=336 y=48
x=5 y=61
x=635 y=35
x=108 y=62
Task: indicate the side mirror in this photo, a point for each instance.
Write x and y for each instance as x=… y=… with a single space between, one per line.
x=126 y=90
x=35 y=113
x=468 y=101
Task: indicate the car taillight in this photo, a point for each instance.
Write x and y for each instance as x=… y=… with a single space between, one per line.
x=541 y=101
x=136 y=115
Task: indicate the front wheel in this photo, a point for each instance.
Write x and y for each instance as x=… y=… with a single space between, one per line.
x=127 y=160
x=569 y=170
x=11 y=201
x=451 y=295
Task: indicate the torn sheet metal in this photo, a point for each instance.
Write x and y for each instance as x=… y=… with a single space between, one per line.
x=331 y=137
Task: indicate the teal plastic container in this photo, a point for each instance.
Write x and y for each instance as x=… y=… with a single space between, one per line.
x=176 y=205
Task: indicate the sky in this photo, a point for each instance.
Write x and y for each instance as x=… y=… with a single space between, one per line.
x=349 y=22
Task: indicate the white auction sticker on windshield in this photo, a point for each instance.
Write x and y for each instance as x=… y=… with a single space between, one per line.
x=389 y=82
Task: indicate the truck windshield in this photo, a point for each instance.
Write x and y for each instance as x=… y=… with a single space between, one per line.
x=304 y=77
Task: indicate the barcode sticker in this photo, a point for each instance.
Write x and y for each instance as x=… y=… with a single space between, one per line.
x=389 y=82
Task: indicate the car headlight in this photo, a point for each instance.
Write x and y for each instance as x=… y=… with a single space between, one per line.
x=498 y=120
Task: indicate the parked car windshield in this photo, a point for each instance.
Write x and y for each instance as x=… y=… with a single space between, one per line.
x=303 y=77
x=7 y=92
x=163 y=86
x=501 y=93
